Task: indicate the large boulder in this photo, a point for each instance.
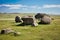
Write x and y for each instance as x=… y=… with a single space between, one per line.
x=29 y=20
x=46 y=20
x=18 y=19
x=40 y=15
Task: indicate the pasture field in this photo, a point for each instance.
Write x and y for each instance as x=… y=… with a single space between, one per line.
x=28 y=32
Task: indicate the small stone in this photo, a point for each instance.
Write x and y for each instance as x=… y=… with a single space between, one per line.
x=17 y=33
x=34 y=24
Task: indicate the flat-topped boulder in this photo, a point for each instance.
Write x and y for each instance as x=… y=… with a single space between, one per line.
x=28 y=20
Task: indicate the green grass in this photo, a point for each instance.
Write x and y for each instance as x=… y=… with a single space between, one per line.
x=41 y=32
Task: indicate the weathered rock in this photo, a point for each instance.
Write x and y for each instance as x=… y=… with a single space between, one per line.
x=29 y=20
x=46 y=20
x=6 y=31
x=18 y=19
x=40 y=15
x=34 y=24
x=9 y=30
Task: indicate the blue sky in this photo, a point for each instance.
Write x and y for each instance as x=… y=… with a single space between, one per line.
x=30 y=6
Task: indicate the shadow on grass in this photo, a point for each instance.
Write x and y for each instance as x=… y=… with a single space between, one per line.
x=41 y=23
x=22 y=24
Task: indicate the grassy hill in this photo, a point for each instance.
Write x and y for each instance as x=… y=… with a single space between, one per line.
x=28 y=32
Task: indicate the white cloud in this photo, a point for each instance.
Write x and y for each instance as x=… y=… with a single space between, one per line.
x=14 y=7
x=18 y=6
x=33 y=6
x=51 y=6
x=11 y=6
x=26 y=7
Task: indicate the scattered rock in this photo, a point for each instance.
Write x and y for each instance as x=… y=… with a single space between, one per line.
x=18 y=19
x=6 y=31
x=40 y=15
x=34 y=24
x=17 y=33
x=29 y=21
x=9 y=30
x=46 y=20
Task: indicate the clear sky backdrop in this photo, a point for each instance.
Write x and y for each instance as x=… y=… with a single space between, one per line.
x=30 y=6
